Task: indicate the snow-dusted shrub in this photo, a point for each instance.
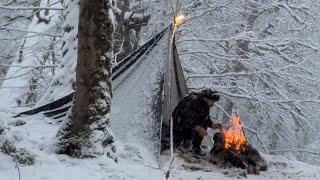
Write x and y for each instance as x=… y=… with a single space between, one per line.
x=22 y=156
x=18 y=122
x=8 y=147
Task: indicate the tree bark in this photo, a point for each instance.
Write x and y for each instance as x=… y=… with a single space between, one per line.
x=86 y=132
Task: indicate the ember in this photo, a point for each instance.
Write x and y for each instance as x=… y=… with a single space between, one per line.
x=234 y=137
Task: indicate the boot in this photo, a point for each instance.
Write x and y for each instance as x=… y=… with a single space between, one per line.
x=198 y=151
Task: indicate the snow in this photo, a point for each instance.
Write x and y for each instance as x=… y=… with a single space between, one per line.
x=22 y=72
x=112 y=18
x=276 y=93
x=127 y=15
x=133 y=117
x=38 y=137
x=137 y=159
x=135 y=93
x=61 y=84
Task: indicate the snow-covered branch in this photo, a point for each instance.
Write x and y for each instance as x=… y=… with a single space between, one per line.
x=294 y=15
x=315 y=152
x=27 y=31
x=221 y=75
x=207 y=11
x=16 y=76
x=29 y=66
x=15 y=8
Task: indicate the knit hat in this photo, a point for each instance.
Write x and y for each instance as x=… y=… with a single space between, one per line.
x=210 y=94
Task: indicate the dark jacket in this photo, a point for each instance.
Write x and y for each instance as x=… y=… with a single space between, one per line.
x=191 y=111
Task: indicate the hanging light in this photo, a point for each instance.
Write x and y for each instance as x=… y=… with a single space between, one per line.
x=179 y=19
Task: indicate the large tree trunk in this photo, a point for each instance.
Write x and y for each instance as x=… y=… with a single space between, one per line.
x=86 y=132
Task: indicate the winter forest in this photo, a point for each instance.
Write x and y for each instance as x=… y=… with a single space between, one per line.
x=84 y=89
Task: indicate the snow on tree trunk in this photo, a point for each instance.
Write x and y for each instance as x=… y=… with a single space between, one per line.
x=87 y=132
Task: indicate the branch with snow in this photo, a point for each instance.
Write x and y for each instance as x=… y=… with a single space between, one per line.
x=15 y=8
x=28 y=31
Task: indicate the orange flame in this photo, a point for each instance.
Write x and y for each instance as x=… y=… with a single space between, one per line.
x=234 y=136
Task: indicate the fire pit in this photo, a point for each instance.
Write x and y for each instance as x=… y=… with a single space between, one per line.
x=231 y=148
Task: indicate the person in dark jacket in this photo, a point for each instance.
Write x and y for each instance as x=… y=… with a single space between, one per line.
x=191 y=119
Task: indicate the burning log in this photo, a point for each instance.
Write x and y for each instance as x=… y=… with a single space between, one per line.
x=231 y=148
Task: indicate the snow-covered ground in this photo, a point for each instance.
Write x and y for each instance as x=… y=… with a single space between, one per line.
x=38 y=137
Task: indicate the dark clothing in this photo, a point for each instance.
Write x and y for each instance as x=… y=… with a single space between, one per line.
x=191 y=111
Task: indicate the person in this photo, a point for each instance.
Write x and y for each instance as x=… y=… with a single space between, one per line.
x=191 y=118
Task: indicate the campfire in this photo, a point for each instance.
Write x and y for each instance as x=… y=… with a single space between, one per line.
x=234 y=138
x=231 y=148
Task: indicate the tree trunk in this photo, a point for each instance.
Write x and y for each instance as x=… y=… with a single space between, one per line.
x=86 y=131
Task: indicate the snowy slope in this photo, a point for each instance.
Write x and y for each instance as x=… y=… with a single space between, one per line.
x=38 y=137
